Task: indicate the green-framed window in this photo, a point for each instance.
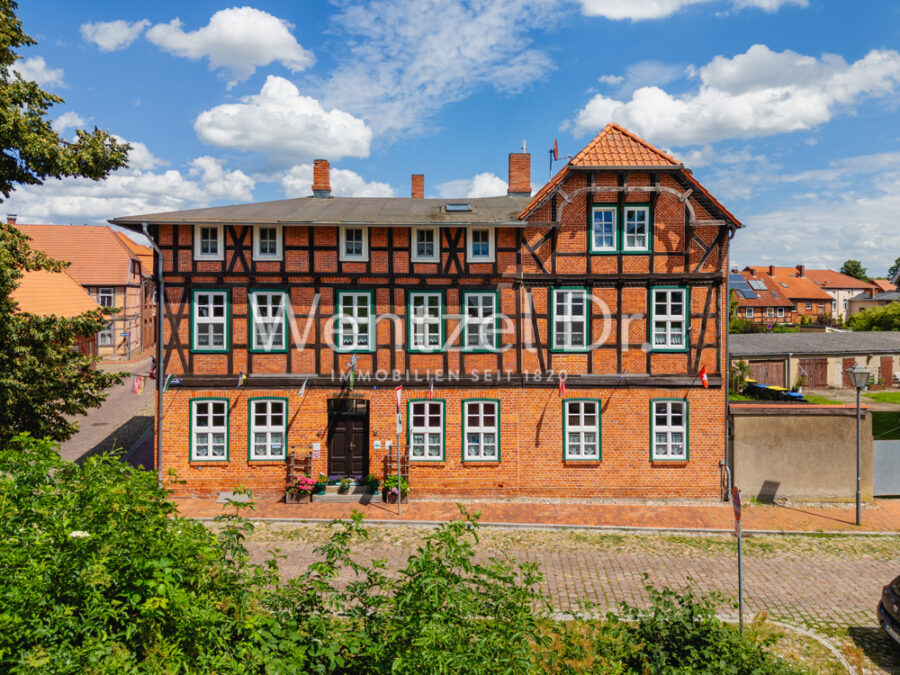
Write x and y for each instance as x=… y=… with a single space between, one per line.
x=268 y=321
x=480 y=320
x=210 y=321
x=670 y=312
x=625 y=229
x=582 y=429
x=570 y=328
x=425 y=430
x=425 y=316
x=355 y=326
x=267 y=429
x=209 y=429
x=669 y=429
x=481 y=430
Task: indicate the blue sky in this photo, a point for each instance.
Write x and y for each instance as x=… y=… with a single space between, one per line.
x=785 y=109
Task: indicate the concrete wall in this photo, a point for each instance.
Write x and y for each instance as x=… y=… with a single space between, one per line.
x=799 y=452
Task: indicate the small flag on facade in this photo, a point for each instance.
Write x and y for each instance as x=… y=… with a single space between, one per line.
x=168 y=381
x=431 y=390
x=703 y=378
x=137 y=384
x=152 y=374
x=303 y=388
x=562 y=387
x=398 y=390
x=241 y=378
x=555 y=150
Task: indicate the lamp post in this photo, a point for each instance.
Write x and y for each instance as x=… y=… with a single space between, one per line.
x=859 y=378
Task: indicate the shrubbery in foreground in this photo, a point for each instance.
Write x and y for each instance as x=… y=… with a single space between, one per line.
x=100 y=576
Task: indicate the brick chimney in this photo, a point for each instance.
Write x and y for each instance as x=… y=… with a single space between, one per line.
x=418 y=186
x=771 y=270
x=801 y=270
x=321 y=186
x=752 y=271
x=10 y=218
x=519 y=173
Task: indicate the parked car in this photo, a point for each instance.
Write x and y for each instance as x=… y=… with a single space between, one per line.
x=889 y=610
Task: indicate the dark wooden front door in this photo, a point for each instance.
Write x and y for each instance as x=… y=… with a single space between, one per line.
x=348 y=438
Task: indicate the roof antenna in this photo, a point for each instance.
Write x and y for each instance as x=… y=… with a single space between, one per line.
x=524 y=149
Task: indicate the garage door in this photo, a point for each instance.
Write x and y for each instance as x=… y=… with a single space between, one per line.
x=768 y=372
x=816 y=371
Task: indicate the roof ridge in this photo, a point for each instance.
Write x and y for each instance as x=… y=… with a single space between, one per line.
x=613 y=126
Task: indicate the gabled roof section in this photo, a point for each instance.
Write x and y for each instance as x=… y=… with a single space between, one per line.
x=98 y=256
x=144 y=254
x=773 y=295
x=884 y=285
x=617 y=147
x=795 y=286
x=831 y=279
x=52 y=294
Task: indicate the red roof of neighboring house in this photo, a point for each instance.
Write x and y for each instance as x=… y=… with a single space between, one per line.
x=832 y=279
x=98 y=256
x=884 y=285
x=772 y=296
x=792 y=284
x=616 y=147
x=52 y=293
x=143 y=253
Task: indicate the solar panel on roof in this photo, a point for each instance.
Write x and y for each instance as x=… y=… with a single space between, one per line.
x=758 y=284
x=749 y=295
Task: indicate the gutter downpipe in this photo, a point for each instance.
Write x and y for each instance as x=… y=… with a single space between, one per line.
x=160 y=367
x=725 y=462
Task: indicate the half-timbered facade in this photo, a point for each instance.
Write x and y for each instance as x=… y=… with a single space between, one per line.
x=546 y=345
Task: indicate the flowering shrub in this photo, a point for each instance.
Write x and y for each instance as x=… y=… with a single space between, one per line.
x=303 y=485
x=392 y=485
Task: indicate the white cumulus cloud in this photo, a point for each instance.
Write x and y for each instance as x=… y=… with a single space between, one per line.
x=239 y=39
x=68 y=120
x=643 y=10
x=480 y=185
x=111 y=36
x=35 y=69
x=758 y=93
x=285 y=125
x=297 y=182
x=769 y=5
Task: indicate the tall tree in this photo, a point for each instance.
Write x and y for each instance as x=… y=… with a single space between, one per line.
x=854 y=269
x=42 y=378
x=892 y=270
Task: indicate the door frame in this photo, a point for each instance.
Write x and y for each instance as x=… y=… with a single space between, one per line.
x=359 y=411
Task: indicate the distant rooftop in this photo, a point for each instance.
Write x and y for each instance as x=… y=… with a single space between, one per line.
x=800 y=344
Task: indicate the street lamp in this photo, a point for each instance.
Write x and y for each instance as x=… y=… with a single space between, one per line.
x=859 y=378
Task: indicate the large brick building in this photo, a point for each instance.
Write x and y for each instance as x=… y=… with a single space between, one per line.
x=612 y=277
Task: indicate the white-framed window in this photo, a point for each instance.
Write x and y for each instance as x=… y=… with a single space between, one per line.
x=209 y=242
x=570 y=319
x=821 y=308
x=845 y=303
x=770 y=312
x=480 y=246
x=210 y=317
x=637 y=228
x=480 y=320
x=354 y=244
x=604 y=229
x=669 y=429
x=748 y=312
x=268 y=317
x=670 y=318
x=105 y=336
x=209 y=430
x=426 y=321
x=426 y=431
x=106 y=297
x=267 y=242
x=582 y=429
x=425 y=244
x=268 y=428
x=779 y=312
x=808 y=305
x=481 y=431
x=354 y=321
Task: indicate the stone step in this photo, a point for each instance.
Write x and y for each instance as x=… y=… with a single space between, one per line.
x=352 y=490
x=358 y=498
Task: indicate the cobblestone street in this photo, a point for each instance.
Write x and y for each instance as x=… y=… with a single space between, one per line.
x=830 y=585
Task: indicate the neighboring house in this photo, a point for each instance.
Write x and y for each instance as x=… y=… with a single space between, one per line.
x=760 y=299
x=111 y=274
x=869 y=298
x=47 y=293
x=148 y=288
x=841 y=288
x=779 y=359
x=611 y=279
x=884 y=286
x=809 y=300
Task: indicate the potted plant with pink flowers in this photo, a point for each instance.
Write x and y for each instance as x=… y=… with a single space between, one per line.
x=299 y=491
x=394 y=489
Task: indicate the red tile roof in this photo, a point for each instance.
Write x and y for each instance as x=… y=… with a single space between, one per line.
x=52 y=293
x=884 y=285
x=832 y=279
x=143 y=253
x=793 y=285
x=98 y=256
x=773 y=296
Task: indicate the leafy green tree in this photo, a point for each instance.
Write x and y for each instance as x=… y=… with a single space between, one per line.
x=42 y=379
x=886 y=317
x=854 y=269
x=892 y=270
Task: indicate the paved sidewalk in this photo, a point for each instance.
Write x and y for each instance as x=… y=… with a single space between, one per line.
x=883 y=515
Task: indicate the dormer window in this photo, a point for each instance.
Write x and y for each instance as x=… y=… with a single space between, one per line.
x=209 y=242
x=481 y=245
x=354 y=244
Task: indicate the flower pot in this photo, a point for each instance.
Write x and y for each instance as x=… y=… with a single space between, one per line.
x=319 y=488
x=391 y=497
x=297 y=497
x=343 y=489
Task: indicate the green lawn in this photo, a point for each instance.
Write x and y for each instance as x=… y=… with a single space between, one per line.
x=885 y=396
x=821 y=400
x=885 y=426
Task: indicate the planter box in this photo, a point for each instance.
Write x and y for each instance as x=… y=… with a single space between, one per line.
x=391 y=498
x=297 y=498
